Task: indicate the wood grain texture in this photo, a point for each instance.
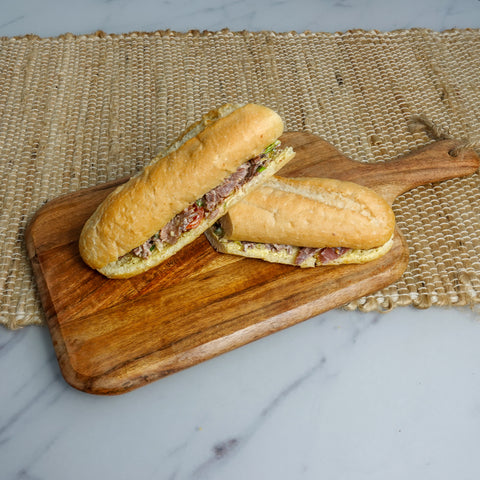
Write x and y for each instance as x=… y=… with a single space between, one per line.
x=112 y=336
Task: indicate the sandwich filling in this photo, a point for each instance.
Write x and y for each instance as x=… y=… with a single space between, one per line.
x=208 y=205
x=322 y=255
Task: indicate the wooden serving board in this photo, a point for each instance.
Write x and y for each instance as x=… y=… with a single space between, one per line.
x=111 y=336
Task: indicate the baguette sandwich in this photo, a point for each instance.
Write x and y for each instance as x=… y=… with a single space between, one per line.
x=183 y=191
x=307 y=222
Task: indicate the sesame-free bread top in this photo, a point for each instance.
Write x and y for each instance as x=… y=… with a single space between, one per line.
x=200 y=160
x=130 y=264
x=311 y=212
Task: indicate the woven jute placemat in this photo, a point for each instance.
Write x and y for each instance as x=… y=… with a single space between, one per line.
x=76 y=111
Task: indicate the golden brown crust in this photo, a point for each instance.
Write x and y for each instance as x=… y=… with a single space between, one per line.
x=311 y=212
x=198 y=162
x=130 y=265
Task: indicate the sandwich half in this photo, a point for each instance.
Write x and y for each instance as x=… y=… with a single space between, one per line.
x=182 y=192
x=307 y=222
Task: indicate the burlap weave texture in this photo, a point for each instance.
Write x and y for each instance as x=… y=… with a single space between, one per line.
x=76 y=111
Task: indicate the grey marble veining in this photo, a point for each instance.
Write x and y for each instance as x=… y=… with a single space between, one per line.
x=47 y=18
x=341 y=396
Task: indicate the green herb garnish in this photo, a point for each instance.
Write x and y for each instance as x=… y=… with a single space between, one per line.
x=272 y=146
x=218 y=230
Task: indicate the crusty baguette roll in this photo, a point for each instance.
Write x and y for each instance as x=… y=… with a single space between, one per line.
x=207 y=154
x=338 y=222
x=313 y=212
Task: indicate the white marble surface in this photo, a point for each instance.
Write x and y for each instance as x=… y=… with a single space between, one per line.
x=341 y=396
x=54 y=17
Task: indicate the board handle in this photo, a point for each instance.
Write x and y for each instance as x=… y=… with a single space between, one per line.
x=432 y=163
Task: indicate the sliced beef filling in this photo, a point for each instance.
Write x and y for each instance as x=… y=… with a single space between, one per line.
x=207 y=205
x=324 y=255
